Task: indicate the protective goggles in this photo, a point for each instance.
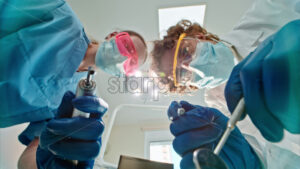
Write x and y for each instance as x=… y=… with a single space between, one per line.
x=126 y=48
x=184 y=52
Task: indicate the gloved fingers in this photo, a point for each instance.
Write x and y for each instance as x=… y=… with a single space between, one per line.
x=77 y=128
x=90 y=104
x=218 y=117
x=196 y=138
x=275 y=75
x=85 y=164
x=59 y=163
x=76 y=149
x=58 y=129
x=251 y=78
x=204 y=113
x=47 y=138
x=172 y=110
x=96 y=116
x=187 y=106
x=233 y=90
x=65 y=109
x=44 y=159
x=187 y=161
x=193 y=119
x=280 y=87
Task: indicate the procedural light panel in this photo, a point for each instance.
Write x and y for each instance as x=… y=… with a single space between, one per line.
x=170 y=16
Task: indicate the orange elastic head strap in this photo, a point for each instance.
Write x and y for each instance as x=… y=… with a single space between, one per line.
x=175 y=57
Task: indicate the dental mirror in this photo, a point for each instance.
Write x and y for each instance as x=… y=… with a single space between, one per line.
x=206 y=159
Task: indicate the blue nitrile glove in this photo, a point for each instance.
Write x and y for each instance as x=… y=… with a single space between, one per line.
x=65 y=139
x=202 y=127
x=269 y=80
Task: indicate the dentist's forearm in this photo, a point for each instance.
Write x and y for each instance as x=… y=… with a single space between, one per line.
x=28 y=158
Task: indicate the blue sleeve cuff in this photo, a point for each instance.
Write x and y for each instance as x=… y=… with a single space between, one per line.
x=33 y=130
x=85 y=37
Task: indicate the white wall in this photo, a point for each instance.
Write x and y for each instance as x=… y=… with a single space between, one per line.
x=10 y=147
x=130 y=140
x=125 y=140
x=100 y=17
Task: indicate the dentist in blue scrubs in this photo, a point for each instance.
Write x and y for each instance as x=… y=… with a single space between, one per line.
x=268 y=78
x=44 y=51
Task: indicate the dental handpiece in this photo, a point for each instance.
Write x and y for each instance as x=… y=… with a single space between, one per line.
x=85 y=87
x=180 y=112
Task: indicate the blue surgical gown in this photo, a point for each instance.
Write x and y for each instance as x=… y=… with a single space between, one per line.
x=42 y=43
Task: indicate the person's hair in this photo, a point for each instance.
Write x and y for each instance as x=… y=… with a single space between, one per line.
x=169 y=41
x=93 y=40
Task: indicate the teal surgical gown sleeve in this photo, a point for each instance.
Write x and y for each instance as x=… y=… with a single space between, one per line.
x=42 y=43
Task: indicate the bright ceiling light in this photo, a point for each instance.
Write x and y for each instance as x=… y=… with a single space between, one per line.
x=138 y=74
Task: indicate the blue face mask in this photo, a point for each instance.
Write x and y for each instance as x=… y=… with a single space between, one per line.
x=109 y=59
x=215 y=61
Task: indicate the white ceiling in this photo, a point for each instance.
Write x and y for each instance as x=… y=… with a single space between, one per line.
x=101 y=17
x=138 y=115
x=141 y=116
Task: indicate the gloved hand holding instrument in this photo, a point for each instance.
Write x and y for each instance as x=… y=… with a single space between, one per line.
x=269 y=80
x=200 y=128
x=73 y=142
x=179 y=111
x=210 y=159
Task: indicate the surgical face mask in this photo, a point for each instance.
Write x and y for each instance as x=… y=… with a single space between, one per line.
x=198 y=64
x=215 y=61
x=117 y=56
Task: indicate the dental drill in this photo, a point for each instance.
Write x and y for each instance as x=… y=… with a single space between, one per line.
x=85 y=87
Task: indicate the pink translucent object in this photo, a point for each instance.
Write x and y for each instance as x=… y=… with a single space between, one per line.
x=127 y=49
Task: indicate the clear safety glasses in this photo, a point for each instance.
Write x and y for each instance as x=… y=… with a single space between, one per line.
x=184 y=54
x=173 y=65
x=192 y=63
